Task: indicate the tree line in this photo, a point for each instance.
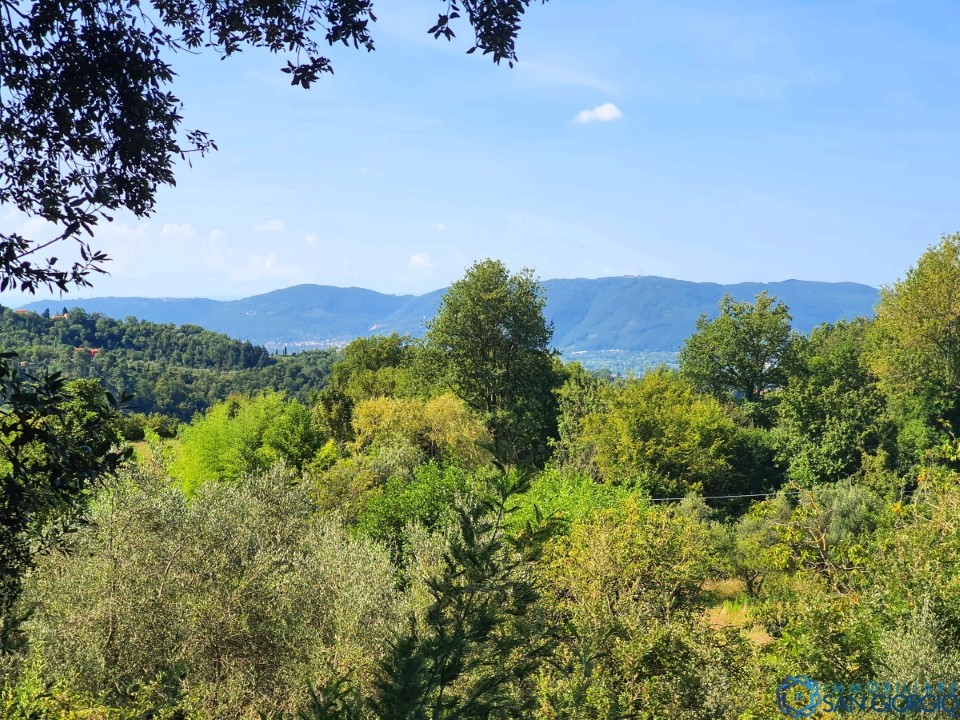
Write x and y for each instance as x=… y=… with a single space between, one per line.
x=466 y=527
x=169 y=370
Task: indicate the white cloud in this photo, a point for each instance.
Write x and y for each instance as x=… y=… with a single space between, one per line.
x=601 y=113
x=420 y=260
x=270 y=226
x=38 y=229
x=230 y=261
x=439 y=227
x=310 y=239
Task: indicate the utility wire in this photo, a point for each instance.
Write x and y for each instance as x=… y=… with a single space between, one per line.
x=752 y=495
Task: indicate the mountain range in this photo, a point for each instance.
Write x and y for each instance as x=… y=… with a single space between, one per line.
x=626 y=314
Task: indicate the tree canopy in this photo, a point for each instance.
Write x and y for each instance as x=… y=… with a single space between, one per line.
x=89 y=126
x=493 y=344
x=741 y=352
x=656 y=432
x=831 y=413
x=915 y=348
x=174 y=370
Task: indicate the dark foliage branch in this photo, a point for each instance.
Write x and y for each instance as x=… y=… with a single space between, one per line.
x=88 y=125
x=56 y=440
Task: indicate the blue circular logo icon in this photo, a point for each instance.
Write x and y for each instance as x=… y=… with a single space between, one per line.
x=798 y=696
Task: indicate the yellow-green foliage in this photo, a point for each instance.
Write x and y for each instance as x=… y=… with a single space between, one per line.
x=29 y=695
x=921 y=551
x=376 y=366
x=658 y=433
x=626 y=586
x=651 y=560
x=442 y=427
x=243 y=435
x=916 y=334
x=566 y=497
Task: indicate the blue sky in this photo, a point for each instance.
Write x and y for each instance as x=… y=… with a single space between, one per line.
x=726 y=141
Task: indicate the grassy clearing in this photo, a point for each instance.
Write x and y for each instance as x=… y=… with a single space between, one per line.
x=143 y=451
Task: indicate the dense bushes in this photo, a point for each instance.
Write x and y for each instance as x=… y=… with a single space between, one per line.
x=393 y=551
x=235 y=602
x=245 y=435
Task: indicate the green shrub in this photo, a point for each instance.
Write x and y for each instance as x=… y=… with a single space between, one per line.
x=233 y=603
x=567 y=496
x=428 y=500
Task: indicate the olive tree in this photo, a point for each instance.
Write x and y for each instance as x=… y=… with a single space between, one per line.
x=230 y=604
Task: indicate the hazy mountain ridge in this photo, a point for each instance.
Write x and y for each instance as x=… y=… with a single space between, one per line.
x=635 y=314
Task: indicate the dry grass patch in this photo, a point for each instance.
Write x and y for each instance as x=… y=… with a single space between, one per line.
x=724 y=588
x=732 y=608
x=142 y=451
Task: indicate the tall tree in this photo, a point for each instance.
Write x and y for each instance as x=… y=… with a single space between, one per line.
x=831 y=415
x=740 y=354
x=915 y=338
x=492 y=342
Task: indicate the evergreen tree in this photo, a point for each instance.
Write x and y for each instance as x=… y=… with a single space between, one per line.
x=477 y=647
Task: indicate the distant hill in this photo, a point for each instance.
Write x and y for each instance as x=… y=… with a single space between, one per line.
x=177 y=370
x=628 y=314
